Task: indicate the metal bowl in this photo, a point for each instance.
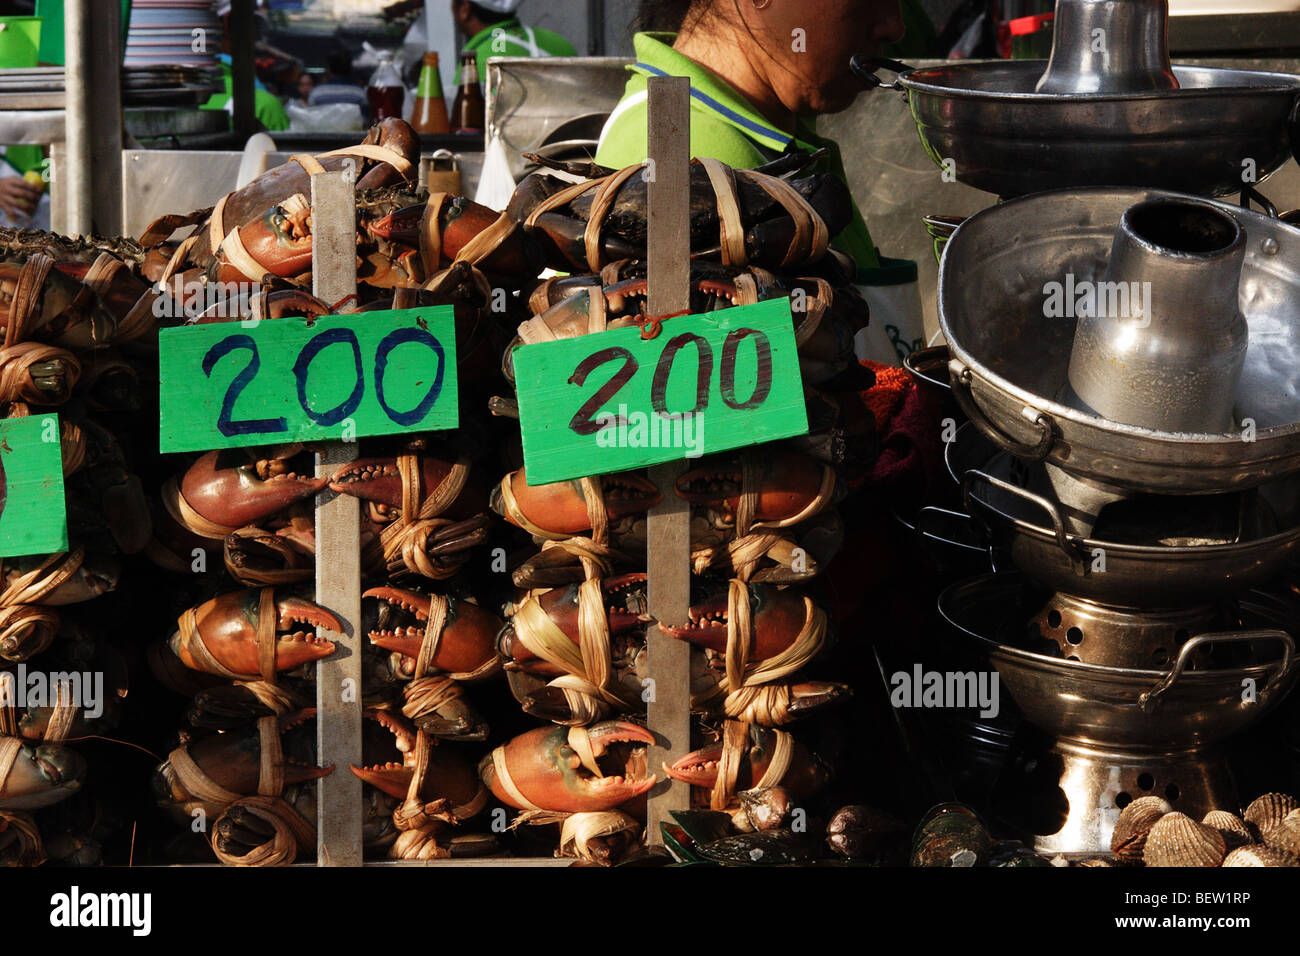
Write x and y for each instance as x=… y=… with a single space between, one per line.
x=1122 y=707
x=997 y=134
x=1010 y=362
x=1238 y=544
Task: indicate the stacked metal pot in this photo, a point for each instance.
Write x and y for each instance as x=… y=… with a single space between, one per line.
x=1126 y=357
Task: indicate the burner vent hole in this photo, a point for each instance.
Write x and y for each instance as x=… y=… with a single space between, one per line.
x=1074 y=636
x=1146 y=781
x=1171 y=792
x=1122 y=799
x=1053 y=618
x=1159 y=656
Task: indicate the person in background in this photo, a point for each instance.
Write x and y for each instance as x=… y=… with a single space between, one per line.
x=266 y=105
x=338 y=85
x=23 y=203
x=760 y=92
x=306 y=84
x=492 y=29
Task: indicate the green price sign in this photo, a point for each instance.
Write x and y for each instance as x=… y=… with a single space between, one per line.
x=341 y=376
x=613 y=401
x=33 y=517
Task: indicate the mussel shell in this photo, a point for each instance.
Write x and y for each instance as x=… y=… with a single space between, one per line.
x=1268 y=811
x=1256 y=855
x=765 y=848
x=859 y=832
x=1178 y=840
x=951 y=835
x=1235 y=831
x=1285 y=836
x=1135 y=821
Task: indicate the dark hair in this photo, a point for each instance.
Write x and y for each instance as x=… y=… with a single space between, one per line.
x=488 y=16
x=669 y=16
x=339 y=64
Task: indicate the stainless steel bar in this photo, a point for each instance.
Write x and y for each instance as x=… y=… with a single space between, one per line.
x=668 y=530
x=78 y=174
x=338 y=559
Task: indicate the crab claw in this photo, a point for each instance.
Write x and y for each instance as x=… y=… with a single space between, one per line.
x=226 y=626
x=777 y=615
x=379 y=480
x=804 y=777
x=809 y=696
x=571 y=769
x=449 y=775
x=41 y=776
x=788 y=485
x=559 y=509
x=232 y=759
x=468 y=638
x=229 y=489
x=625 y=607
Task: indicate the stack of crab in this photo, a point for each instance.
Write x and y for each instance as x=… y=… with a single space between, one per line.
x=763 y=523
x=79 y=326
x=247 y=656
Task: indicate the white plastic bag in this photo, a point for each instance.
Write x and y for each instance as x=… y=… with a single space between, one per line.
x=897 y=326
x=496 y=185
x=331 y=117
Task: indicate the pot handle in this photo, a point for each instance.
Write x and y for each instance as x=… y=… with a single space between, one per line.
x=1250 y=194
x=960 y=377
x=1149 y=699
x=865 y=68
x=1058 y=523
x=930 y=365
x=924 y=526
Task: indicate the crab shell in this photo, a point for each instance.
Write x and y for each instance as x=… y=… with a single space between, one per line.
x=449 y=774
x=379 y=480
x=548 y=773
x=559 y=509
x=468 y=638
x=234 y=490
x=777 y=615
x=561 y=606
x=42 y=776
x=804 y=778
x=227 y=625
x=788 y=484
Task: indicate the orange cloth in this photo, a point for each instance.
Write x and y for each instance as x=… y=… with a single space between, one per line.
x=886 y=396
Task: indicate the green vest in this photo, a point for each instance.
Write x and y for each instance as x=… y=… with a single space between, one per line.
x=512 y=38
x=724 y=126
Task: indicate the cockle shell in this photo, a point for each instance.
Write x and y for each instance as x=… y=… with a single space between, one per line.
x=1267 y=811
x=1235 y=831
x=1256 y=855
x=1178 y=840
x=1285 y=836
x=1135 y=820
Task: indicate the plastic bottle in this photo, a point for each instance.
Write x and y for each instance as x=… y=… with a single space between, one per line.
x=385 y=91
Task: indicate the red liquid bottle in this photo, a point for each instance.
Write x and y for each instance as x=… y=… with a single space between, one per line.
x=385 y=92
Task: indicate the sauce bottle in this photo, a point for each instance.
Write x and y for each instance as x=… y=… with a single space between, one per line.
x=385 y=92
x=468 y=112
x=430 y=116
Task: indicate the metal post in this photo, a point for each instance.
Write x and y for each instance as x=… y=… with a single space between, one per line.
x=241 y=69
x=77 y=176
x=668 y=528
x=338 y=559
x=105 y=91
x=595 y=27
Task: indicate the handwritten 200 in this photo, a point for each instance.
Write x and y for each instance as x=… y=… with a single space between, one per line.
x=228 y=425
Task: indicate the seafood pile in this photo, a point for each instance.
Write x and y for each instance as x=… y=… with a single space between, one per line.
x=1267 y=833
x=763 y=522
x=79 y=339
x=246 y=653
